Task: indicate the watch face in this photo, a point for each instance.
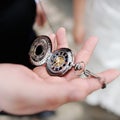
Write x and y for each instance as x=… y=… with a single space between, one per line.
x=40 y=50
x=60 y=62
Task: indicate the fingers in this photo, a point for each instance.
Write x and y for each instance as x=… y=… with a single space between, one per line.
x=84 y=55
x=106 y=76
x=83 y=87
x=61 y=38
x=87 y=50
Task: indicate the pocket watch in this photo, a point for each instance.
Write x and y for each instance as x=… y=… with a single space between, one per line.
x=58 y=62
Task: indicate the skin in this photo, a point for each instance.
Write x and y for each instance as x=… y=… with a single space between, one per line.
x=40 y=19
x=24 y=91
x=79 y=14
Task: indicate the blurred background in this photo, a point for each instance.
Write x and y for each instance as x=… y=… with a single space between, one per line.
x=59 y=13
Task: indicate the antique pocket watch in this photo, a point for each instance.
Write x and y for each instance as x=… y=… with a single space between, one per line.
x=58 y=62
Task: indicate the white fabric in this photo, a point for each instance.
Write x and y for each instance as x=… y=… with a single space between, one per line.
x=103 y=21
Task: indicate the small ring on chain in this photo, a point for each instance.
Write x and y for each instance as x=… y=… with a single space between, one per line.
x=79 y=66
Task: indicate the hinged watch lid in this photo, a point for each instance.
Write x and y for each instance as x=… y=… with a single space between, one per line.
x=40 y=50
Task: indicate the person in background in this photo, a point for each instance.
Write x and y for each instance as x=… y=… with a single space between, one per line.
x=16 y=29
x=101 y=19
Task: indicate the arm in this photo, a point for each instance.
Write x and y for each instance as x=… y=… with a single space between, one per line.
x=22 y=89
x=40 y=15
x=78 y=14
x=78 y=11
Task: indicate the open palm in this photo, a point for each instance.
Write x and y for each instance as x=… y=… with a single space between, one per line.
x=27 y=92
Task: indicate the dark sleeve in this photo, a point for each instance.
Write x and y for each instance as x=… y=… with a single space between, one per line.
x=17 y=15
x=16 y=22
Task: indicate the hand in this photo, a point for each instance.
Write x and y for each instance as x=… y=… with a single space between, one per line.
x=40 y=19
x=23 y=91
